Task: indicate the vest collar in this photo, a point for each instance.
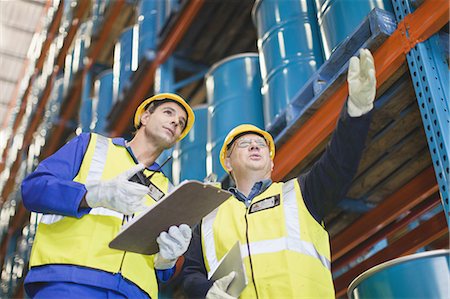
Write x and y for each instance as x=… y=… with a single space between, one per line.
x=258 y=188
x=119 y=141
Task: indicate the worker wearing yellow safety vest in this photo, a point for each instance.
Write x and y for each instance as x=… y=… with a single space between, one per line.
x=86 y=191
x=285 y=247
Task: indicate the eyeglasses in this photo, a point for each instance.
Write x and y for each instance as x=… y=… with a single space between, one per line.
x=246 y=142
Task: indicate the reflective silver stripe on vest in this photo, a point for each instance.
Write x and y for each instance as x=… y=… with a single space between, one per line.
x=98 y=159
x=94 y=174
x=208 y=233
x=285 y=243
x=291 y=213
x=292 y=242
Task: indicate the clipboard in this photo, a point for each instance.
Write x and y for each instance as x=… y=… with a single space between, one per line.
x=188 y=203
x=232 y=261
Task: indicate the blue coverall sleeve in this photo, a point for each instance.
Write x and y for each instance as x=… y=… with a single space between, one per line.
x=195 y=282
x=50 y=188
x=166 y=274
x=329 y=179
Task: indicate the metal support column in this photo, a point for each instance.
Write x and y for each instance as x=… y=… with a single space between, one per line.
x=430 y=75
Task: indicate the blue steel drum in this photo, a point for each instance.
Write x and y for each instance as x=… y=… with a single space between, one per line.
x=82 y=42
x=86 y=104
x=192 y=150
x=290 y=50
x=123 y=66
x=67 y=14
x=98 y=11
x=421 y=275
x=58 y=90
x=56 y=99
x=68 y=70
x=148 y=31
x=104 y=96
x=339 y=18
x=233 y=91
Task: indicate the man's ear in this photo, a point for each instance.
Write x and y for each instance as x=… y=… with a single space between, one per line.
x=271 y=165
x=144 y=117
x=228 y=164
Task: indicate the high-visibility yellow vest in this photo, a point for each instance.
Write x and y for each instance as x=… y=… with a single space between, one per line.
x=84 y=241
x=286 y=253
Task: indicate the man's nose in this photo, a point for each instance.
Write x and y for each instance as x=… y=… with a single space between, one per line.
x=254 y=145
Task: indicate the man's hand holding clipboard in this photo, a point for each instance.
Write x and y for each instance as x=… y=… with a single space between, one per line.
x=186 y=204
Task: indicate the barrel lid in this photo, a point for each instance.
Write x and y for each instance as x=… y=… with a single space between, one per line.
x=390 y=263
x=229 y=58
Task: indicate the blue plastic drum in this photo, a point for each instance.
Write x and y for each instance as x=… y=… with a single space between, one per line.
x=148 y=30
x=290 y=50
x=123 y=60
x=233 y=91
x=339 y=18
x=86 y=104
x=56 y=98
x=98 y=11
x=192 y=150
x=421 y=275
x=82 y=43
x=103 y=91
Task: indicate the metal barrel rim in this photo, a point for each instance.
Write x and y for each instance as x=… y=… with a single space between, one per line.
x=229 y=58
x=393 y=262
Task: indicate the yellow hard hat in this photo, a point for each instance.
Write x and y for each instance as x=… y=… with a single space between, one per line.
x=239 y=130
x=167 y=96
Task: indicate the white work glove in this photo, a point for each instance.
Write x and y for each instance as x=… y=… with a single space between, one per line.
x=118 y=194
x=220 y=286
x=172 y=245
x=361 y=84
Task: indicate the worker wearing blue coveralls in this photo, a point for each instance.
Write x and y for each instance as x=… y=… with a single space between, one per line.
x=85 y=196
x=286 y=252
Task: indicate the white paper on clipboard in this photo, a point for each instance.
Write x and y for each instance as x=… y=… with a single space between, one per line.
x=188 y=204
x=232 y=261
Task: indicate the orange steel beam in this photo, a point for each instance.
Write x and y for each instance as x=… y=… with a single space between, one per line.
x=168 y=46
x=427 y=20
x=428 y=232
x=388 y=58
x=387 y=231
x=407 y=197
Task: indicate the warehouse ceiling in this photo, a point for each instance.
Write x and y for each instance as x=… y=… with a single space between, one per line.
x=19 y=21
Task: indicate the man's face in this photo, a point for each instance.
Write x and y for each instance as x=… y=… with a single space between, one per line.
x=165 y=124
x=249 y=152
